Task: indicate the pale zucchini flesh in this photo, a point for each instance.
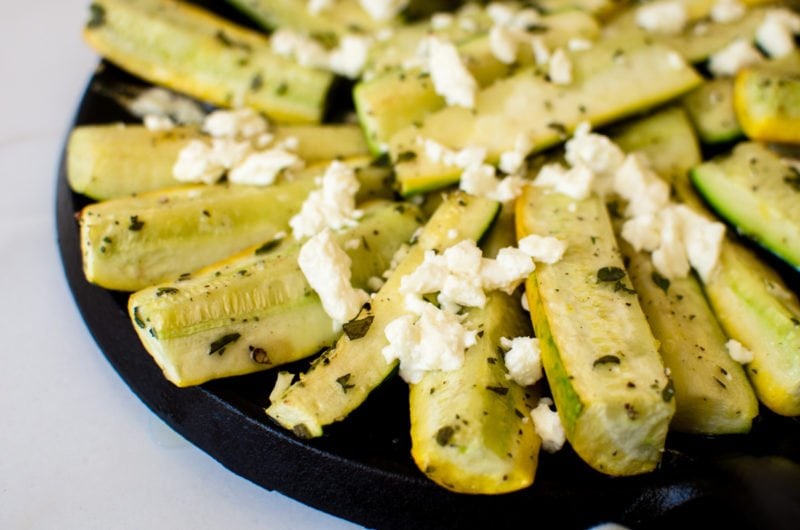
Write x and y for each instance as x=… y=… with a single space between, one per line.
x=599 y=355
x=710 y=106
x=343 y=377
x=190 y=50
x=258 y=300
x=605 y=87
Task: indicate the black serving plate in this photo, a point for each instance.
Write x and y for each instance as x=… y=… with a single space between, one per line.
x=362 y=470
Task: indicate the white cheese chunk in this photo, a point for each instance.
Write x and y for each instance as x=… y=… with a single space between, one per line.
x=503 y=42
x=482 y=181
x=440 y=21
x=195 y=164
x=315 y=7
x=775 y=34
x=305 y=50
x=560 y=68
x=450 y=77
x=507 y=270
x=262 y=168
x=739 y=352
x=541 y=53
x=154 y=122
x=548 y=426
x=350 y=56
x=382 y=10
x=327 y=268
x=735 y=56
x=596 y=151
x=725 y=11
x=240 y=123
x=544 y=249
x=575 y=182
x=670 y=258
x=331 y=206
x=522 y=359
x=667 y=17
x=636 y=182
x=643 y=232
x=702 y=240
x=432 y=339
x=157 y=101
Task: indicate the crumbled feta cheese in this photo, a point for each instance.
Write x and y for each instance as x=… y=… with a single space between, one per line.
x=159 y=101
x=643 y=232
x=676 y=61
x=154 y=122
x=327 y=268
x=541 y=53
x=349 y=58
x=331 y=206
x=663 y=16
x=738 y=352
x=282 y=383
x=432 y=339
x=450 y=77
x=512 y=162
x=482 y=181
x=560 y=68
x=670 y=258
x=702 y=240
x=575 y=182
x=645 y=192
x=195 y=164
x=523 y=301
x=775 y=34
x=440 y=21
x=315 y=7
x=593 y=150
x=544 y=249
x=510 y=267
x=501 y=14
x=576 y=44
x=522 y=359
x=383 y=9
x=262 y=168
x=725 y=11
x=735 y=56
x=240 y=123
x=548 y=426
x=503 y=43
x=305 y=50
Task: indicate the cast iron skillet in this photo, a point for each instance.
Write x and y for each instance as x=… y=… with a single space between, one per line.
x=361 y=469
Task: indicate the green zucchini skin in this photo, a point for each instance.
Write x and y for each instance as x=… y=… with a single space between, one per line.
x=604 y=89
x=710 y=107
x=261 y=298
x=188 y=49
x=320 y=397
x=758 y=194
x=599 y=355
x=111 y=161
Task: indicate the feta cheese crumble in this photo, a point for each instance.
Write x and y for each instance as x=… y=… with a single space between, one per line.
x=636 y=182
x=737 y=55
x=775 y=34
x=560 y=68
x=738 y=352
x=522 y=359
x=315 y=7
x=157 y=101
x=548 y=426
x=327 y=268
x=199 y=161
x=347 y=59
x=262 y=168
x=725 y=11
x=331 y=206
x=241 y=123
x=503 y=42
x=383 y=9
x=154 y=122
x=575 y=182
x=450 y=77
x=544 y=249
x=431 y=339
x=667 y=17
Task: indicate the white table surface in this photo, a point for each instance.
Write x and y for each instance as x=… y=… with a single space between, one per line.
x=77 y=448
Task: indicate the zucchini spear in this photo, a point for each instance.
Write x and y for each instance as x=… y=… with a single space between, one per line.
x=193 y=51
x=344 y=376
x=243 y=314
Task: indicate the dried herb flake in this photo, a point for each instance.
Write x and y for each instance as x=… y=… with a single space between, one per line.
x=219 y=345
x=610 y=274
x=355 y=329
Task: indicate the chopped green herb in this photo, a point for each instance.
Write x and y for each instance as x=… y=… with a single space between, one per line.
x=499 y=390
x=257 y=82
x=444 y=435
x=219 y=345
x=161 y=291
x=136 y=224
x=97 y=16
x=610 y=274
x=793 y=180
x=660 y=281
x=268 y=246
x=558 y=127
x=606 y=359
x=344 y=383
x=669 y=391
x=137 y=318
x=355 y=329
x=282 y=88
x=406 y=156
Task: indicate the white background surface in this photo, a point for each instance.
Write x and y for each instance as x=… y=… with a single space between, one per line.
x=77 y=448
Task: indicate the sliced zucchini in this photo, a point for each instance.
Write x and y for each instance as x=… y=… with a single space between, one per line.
x=190 y=50
x=470 y=428
x=758 y=193
x=242 y=314
x=109 y=161
x=342 y=378
x=767 y=103
x=755 y=308
x=710 y=107
x=605 y=87
x=131 y=243
x=399 y=98
x=608 y=381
